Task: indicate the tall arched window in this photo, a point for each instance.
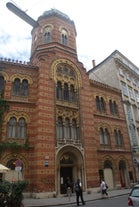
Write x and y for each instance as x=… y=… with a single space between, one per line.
x=118 y=137
x=17 y=129
x=113 y=107
x=59 y=90
x=72 y=94
x=16 y=87
x=12 y=127
x=1 y=85
x=74 y=130
x=101 y=136
x=59 y=128
x=22 y=128
x=64 y=39
x=24 y=87
x=100 y=104
x=67 y=129
x=66 y=92
x=104 y=136
x=47 y=37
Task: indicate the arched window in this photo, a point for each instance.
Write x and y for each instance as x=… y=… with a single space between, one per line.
x=113 y=107
x=47 y=37
x=22 y=128
x=74 y=130
x=104 y=136
x=64 y=39
x=16 y=87
x=12 y=127
x=24 y=87
x=67 y=129
x=100 y=104
x=59 y=90
x=118 y=137
x=97 y=103
x=66 y=92
x=72 y=93
x=1 y=85
x=59 y=128
x=17 y=129
x=101 y=136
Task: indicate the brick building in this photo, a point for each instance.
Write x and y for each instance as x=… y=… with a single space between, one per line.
x=61 y=124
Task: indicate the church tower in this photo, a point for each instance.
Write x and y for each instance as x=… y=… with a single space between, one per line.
x=63 y=87
x=56 y=32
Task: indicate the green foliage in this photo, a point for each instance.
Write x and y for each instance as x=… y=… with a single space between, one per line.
x=13 y=146
x=11 y=194
x=3 y=107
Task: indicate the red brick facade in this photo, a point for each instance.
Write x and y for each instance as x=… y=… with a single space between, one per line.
x=62 y=122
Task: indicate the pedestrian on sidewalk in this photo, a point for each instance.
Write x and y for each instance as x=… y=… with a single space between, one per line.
x=104 y=187
x=69 y=187
x=79 y=192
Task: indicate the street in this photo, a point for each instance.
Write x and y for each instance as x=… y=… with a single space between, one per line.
x=120 y=201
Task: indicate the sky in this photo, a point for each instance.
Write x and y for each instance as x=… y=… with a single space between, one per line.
x=102 y=26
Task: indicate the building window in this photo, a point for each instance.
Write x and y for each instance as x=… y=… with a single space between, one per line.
x=16 y=87
x=47 y=37
x=59 y=90
x=113 y=107
x=17 y=129
x=72 y=94
x=104 y=136
x=64 y=37
x=100 y=104
x=118 y=137
x=1 y=85
x=136 y=113
x=136 y=96
x=12 y=128
x=47 y=33
x=131 y=93
x=24 y=88
x=21 y=128
x=74 y=130
x=67 y=130
x=59 y=128
x=20 y=88
x=124 y=89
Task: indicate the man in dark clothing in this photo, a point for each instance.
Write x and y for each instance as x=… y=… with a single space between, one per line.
x=79 y=192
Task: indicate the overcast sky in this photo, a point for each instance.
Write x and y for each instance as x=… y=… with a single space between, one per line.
x=103 y=26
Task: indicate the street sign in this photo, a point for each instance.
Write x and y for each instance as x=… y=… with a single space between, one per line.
x=135 y=162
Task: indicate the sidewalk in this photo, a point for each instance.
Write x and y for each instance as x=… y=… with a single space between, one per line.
x=61 y=201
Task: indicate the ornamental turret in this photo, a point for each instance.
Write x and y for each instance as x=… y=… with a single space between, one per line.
x=55 y=30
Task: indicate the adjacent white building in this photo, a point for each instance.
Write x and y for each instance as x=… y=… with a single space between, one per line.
x=119 y=72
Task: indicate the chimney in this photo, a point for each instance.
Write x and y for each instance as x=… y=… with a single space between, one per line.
x=94 y=63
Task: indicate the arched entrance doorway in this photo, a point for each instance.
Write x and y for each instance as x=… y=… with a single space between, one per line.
x=70 y=164
x=108 y=173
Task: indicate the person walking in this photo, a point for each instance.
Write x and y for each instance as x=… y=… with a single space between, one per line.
x=79 y=192
x=69 y=188
x=103 y=187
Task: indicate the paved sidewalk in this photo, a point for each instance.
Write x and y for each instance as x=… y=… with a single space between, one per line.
x=61 y=201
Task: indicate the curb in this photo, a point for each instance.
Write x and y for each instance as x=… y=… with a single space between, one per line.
x=63 y=204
